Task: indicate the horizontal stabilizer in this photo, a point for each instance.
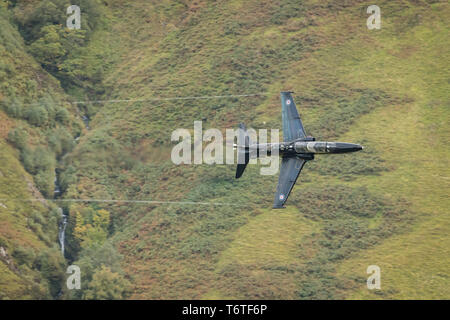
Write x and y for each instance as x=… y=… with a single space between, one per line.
x=240 y=170
x=243 y=150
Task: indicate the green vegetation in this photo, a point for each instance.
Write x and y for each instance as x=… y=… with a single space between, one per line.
x=36 y=119
x=386 y=89
x=59 y=50
x=103 y=277
x=31 y=266
x=91 y=227
x=106 y=285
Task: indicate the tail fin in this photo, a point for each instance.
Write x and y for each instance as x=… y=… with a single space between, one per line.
x=243 y=150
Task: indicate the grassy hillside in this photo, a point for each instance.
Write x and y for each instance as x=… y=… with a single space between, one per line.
x=28 y=236
x=343 y=74
x=386 y=89
x=31 y=264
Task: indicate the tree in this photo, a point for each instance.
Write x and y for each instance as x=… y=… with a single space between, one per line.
x=60 y=141
x=13 y=107
x=52 y=265
x=18 y=137
x=91 y=261
x=107 y=285
x=80 y=229
x=37 y=116
x=67 y=177
x=44 y=181
x=91 y=227
x=62 y=115
x=49 y=50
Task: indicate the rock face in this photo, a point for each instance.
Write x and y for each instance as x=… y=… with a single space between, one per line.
x=35 y=192
x=5 y=257
x=2 y=252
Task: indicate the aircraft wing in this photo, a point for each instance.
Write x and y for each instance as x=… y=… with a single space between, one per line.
x=289 y=171
x=292 y=124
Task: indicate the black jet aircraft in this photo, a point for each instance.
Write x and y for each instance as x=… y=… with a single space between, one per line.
x=297 y=149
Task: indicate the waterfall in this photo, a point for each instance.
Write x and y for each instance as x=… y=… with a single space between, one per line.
x=57 y=194
x=62 y=230
x=57 y=189
x=86 y=121
x=62 y=225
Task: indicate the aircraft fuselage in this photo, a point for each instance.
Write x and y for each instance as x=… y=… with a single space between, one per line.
x=304 y=149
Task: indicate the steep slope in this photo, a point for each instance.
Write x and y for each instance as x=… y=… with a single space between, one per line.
x=344 y=75
x=386 y=89
x=31 y=263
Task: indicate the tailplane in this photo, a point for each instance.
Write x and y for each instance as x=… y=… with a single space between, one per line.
x=243 y=150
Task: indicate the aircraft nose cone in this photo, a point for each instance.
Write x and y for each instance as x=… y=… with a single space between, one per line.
x=342 y=147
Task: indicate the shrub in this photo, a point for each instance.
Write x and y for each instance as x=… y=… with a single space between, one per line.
x=24 y=255
x=107 y=285
x=40 y=162
x=52 y=266
x=60 y=141
x=13 y=107
x=37 y=115
x=44 y=182
x=67 y=177
x=285 y=10
x=53 y=45
x=62 y=115
x=92 y=260
x=18 y=137
x=37 y=160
